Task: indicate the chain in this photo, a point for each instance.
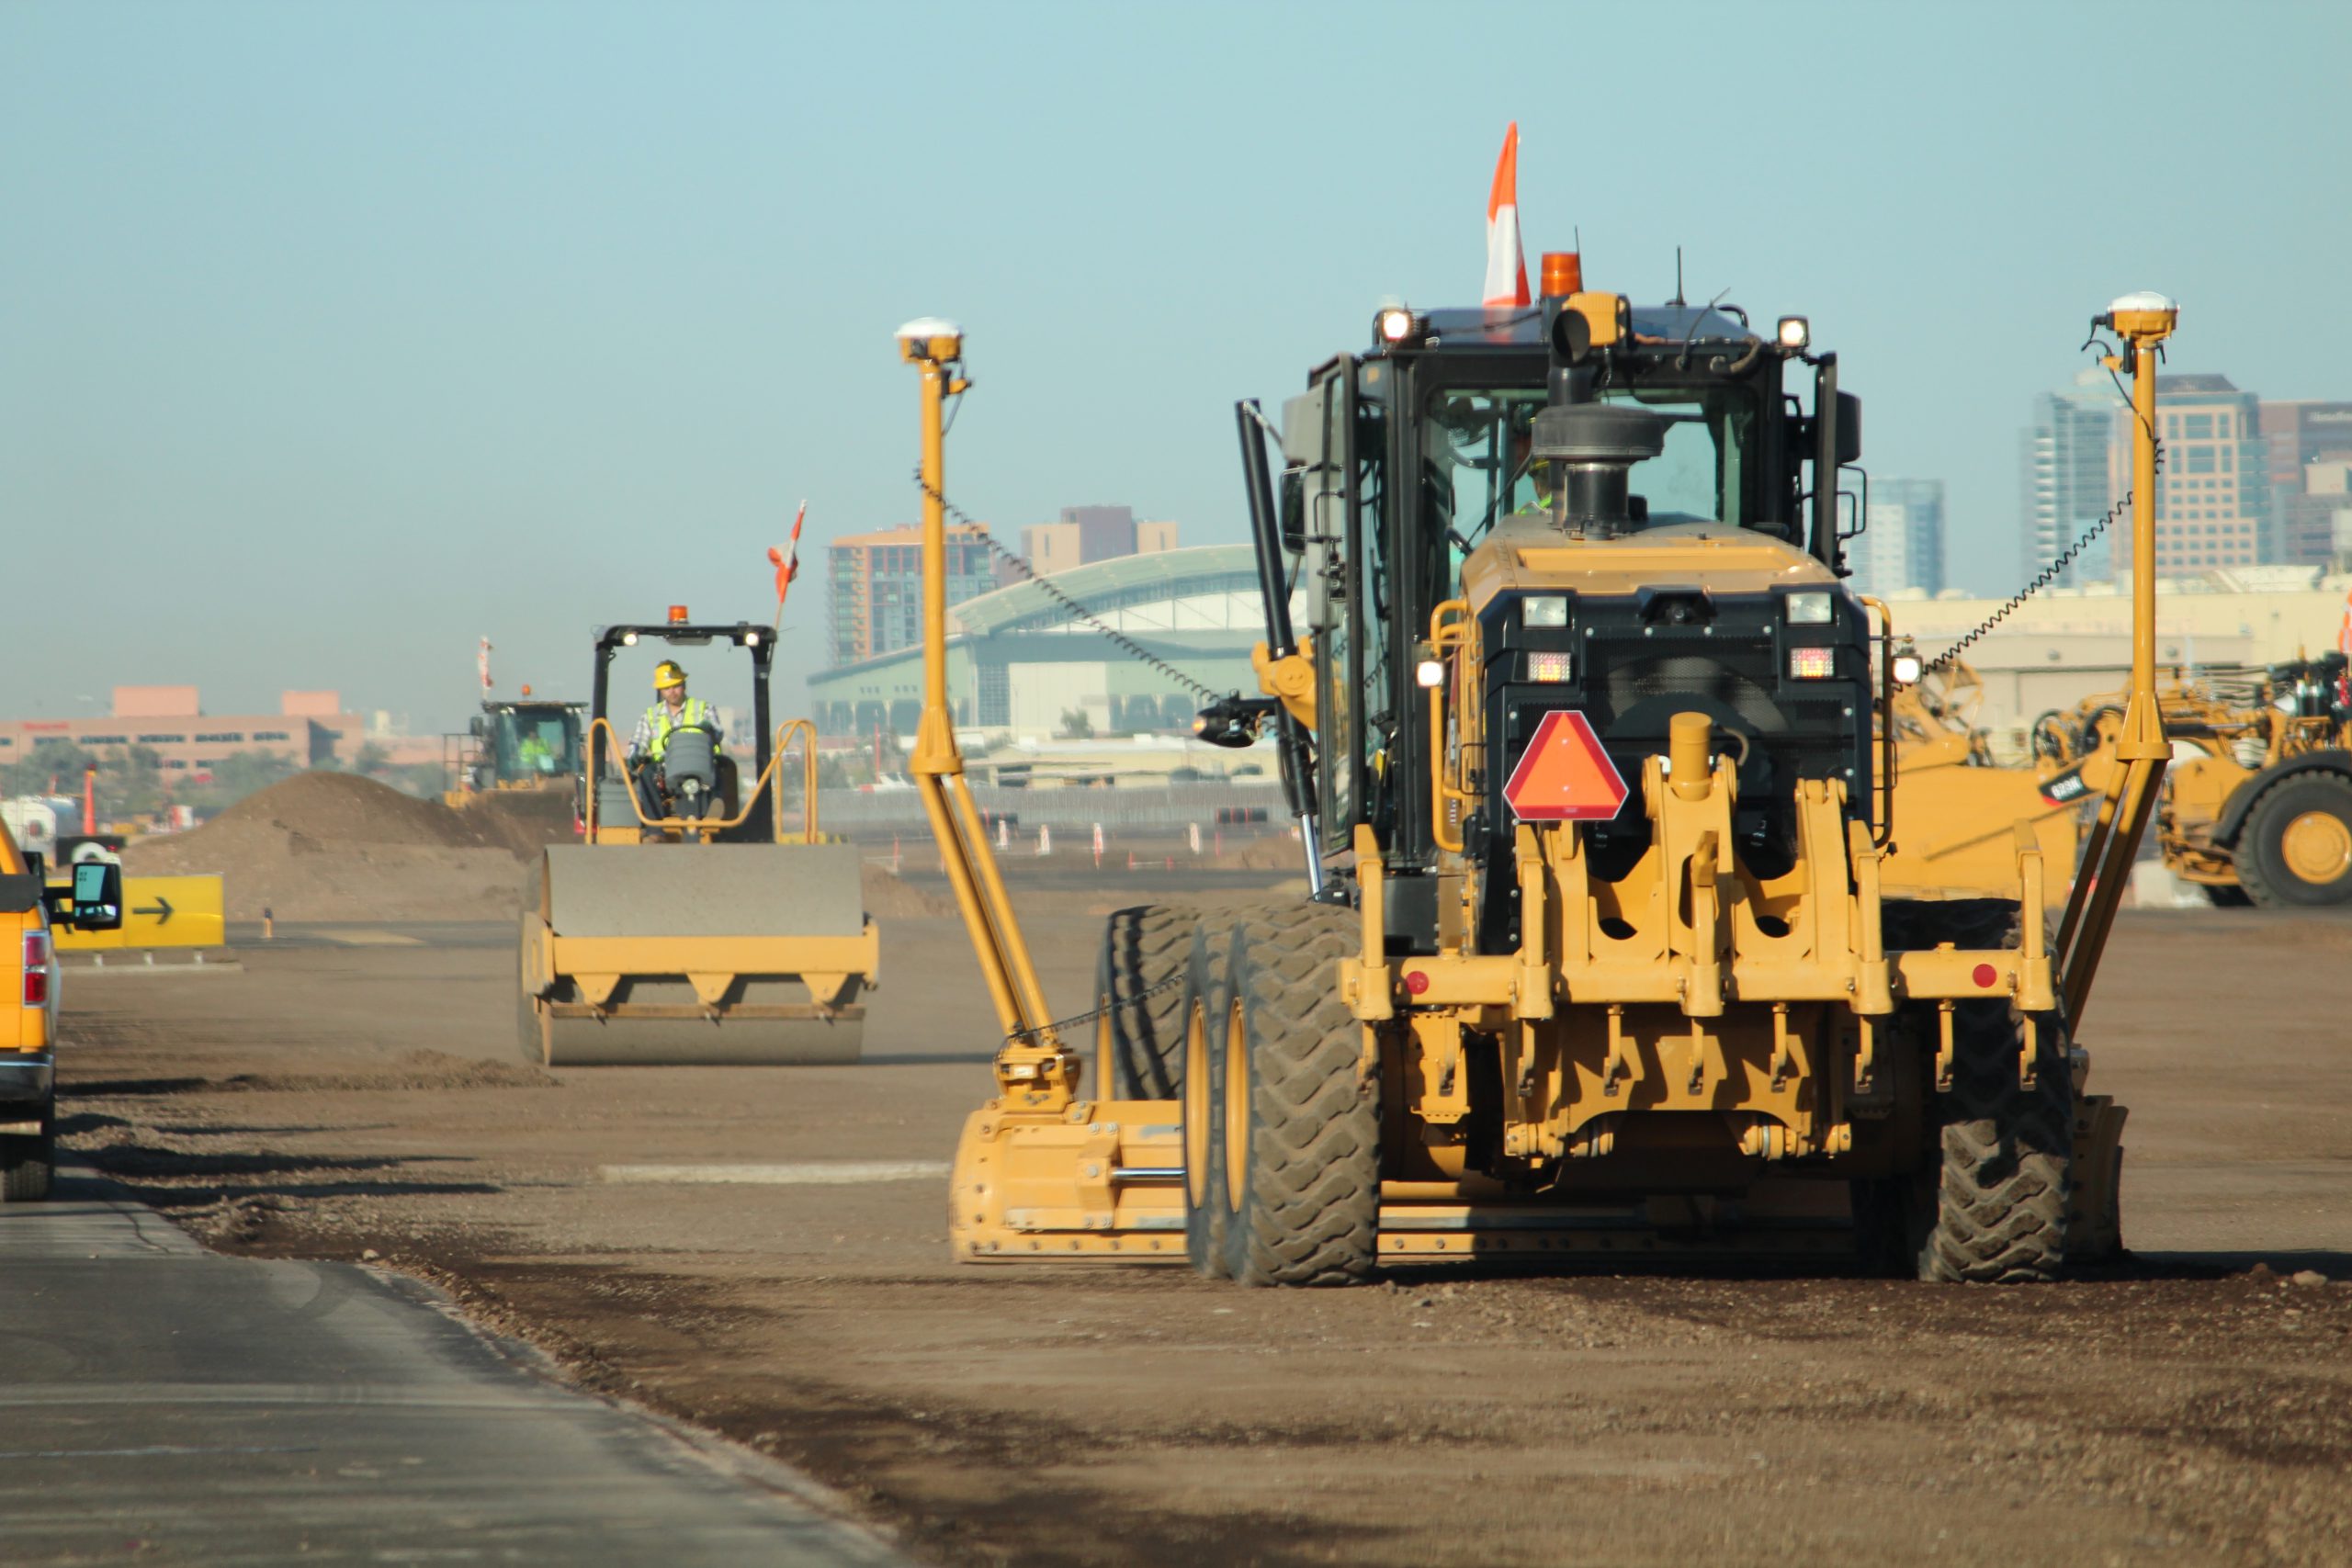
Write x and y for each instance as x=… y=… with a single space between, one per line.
x=1060 y=1025
x=1126 y=644
x=2050 y=574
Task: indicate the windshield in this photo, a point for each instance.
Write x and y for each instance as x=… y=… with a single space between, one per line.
x=535 y=743
x=1475 y=447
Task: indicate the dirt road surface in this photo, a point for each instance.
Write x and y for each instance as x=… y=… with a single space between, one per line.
x=355 y=1093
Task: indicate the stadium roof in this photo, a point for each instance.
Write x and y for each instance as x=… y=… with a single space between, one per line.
x=1105 y=585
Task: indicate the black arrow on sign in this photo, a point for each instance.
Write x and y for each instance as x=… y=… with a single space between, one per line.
x=161 y=908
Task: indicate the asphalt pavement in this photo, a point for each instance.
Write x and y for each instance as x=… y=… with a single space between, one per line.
x=166 y=1404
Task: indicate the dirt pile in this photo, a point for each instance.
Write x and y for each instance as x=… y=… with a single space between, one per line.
x=1271 y=851
x=326 y=846
x=886 y=896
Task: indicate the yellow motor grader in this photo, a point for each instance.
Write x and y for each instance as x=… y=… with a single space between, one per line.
x=2259 y=809
x=1960 y=808
x=1596 y=956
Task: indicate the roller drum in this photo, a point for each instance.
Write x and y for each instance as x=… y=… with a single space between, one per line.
x=653 y=1017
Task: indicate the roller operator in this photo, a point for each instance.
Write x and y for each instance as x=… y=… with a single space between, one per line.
x=649 y=744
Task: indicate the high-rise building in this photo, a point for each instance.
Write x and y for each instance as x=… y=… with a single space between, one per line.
x=1903 y=538
x=2310 y=445
x=873 y=587
x=2063 y=470
x=2213 y=492
x=1089 y=533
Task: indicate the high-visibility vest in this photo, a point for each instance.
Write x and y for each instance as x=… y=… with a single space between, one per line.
x=691 y=713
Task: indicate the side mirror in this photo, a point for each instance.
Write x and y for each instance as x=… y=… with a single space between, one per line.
x=97 y=896
x=479 y=727
x=1293 y=511
x=1849 y=429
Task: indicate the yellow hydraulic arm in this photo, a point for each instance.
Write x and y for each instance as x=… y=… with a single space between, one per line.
x=1039 y=1171
x=2144 y=321
x=1033 y=1063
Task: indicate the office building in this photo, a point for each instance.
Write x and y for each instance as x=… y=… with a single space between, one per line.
x=2310 y=453
x=873 y=587
x=2214 y=509
x=1902 y=543
x=310 y=729
x=1085 y=535
x=2065 y=474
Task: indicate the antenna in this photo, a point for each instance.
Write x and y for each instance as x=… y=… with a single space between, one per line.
x=1679 y=300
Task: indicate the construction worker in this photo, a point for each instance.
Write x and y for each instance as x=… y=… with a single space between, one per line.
x=532 y=755
x=673 y=712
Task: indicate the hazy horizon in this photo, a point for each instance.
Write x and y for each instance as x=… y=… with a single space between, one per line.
x=332 y=338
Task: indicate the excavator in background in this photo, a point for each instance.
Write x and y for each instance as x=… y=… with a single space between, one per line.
x=1960 y=808
x=1597 y=955
x=2259 y=809
x=715 y=935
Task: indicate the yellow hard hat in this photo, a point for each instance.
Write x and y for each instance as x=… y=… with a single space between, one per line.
x=667 y=674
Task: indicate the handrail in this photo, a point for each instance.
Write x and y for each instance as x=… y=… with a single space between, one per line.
x=806 y=729
x=1445 y=634
x=766 y=776
x=1882 y=783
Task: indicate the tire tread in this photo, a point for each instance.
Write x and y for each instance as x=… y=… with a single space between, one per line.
x=1310 y=1214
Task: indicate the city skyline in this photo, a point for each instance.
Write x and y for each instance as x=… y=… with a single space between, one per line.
x=313 y=331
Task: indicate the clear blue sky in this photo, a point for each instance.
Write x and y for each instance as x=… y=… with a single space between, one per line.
x=333 y=336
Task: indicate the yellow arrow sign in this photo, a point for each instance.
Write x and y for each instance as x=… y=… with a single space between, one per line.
x=158 y=911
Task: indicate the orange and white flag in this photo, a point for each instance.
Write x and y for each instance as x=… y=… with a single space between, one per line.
x=1506 y=262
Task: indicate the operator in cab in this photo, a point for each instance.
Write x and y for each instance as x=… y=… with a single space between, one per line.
x=649 y=745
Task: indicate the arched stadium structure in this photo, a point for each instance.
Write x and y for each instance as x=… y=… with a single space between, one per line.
x=1019 y=661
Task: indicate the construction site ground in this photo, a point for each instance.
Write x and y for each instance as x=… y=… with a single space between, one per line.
x=352 y=1092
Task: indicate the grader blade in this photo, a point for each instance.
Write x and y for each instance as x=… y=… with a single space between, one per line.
x=1102 y=1182
x=733 y=954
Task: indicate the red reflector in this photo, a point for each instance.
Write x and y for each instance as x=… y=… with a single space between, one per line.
x=1417 y=981
x=1985 y=974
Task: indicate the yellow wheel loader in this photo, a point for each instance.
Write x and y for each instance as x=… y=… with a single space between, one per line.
x=526 y=744
x=2258 y=808
x=1597 y=957
x=712 y=934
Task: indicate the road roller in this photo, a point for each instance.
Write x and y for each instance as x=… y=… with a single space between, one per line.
x=727 y=930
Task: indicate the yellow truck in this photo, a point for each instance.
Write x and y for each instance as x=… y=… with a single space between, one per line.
x=29 y=911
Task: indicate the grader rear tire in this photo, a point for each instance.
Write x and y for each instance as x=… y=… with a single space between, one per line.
x=1988 y=1203
x=1299 y=1147
x=1207 y=1006
x=1139 y=978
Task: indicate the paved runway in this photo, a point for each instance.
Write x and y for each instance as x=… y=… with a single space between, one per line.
x=162 y=1404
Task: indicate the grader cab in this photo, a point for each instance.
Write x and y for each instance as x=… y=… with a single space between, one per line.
x=1597 y=956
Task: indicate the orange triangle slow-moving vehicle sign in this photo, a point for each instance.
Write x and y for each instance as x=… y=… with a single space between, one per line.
x=1564 y=775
